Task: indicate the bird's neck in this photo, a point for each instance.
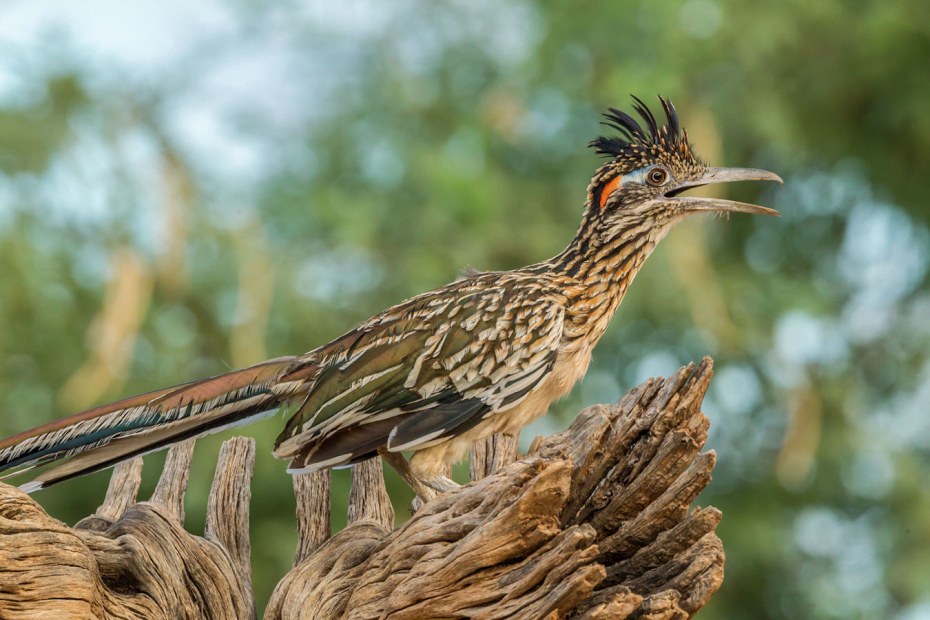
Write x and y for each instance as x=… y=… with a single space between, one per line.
x=599 y=265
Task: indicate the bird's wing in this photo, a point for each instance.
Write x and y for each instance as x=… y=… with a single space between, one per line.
x=426 y=370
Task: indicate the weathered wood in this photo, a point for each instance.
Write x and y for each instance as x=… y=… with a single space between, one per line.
x=490 y=454
x=313 y=512
x=368 y=498
x=122 y=490
x=227 y=522
x=595 y=522
x=130 y=561
x=172 y=484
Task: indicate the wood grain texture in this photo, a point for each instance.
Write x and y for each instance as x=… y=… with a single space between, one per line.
x=122 y=490
x=172 y=484
x=313 y=512
x=227 y=523
x=594 y=522
x=132 y=560
x=491 y=453
x=369 y=497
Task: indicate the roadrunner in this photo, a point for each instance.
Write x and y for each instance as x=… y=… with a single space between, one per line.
x=487 y=353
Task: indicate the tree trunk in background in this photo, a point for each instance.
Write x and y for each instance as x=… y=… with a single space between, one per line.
x=594 y=522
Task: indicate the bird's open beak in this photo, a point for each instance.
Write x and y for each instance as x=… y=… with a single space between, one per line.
x=720 y=205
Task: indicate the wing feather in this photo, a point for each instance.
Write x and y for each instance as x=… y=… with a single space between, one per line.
x=426 y=371
x=434 y=424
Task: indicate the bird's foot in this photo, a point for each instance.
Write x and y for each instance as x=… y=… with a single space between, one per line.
x=430 y=488
x=426 y=488
x=436 y=486
x=442 y=484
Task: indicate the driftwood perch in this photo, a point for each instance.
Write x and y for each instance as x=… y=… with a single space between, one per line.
x=133 y=560
x=595 y=522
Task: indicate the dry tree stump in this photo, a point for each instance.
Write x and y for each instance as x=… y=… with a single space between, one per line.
x=594 y=522
x=133 y=560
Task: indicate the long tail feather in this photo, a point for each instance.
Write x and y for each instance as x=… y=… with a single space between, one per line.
x=105 y=435
x=127 y=447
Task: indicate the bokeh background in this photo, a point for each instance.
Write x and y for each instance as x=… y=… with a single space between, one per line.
x=190 y=186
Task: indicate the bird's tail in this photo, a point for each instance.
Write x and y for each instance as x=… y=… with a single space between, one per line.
x=103 y=436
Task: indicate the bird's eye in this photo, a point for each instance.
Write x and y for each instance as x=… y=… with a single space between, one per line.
x=657 y=176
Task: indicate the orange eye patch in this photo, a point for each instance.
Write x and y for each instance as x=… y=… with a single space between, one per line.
x=608 y=189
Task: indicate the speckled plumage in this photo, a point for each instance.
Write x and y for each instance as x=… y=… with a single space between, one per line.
x=427 y=369
x=487 y=353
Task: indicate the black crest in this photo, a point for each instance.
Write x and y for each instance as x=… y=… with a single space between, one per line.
x=635 y=137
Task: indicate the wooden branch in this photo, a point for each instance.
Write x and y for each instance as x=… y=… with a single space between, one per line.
x=593 y=523
x=133 y=560
x=172 y=484
x=369 y=498
x=122 y=491
x=227 y=523
x=492 y=453
x=313 y=512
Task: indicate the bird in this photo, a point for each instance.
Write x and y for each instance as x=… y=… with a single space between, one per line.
x=487 y=353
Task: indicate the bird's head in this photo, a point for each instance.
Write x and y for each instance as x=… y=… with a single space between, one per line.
x=650 y=165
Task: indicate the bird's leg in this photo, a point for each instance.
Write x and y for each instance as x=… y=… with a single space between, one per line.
x=426 y=488
x=424 y=492
x=432 y=465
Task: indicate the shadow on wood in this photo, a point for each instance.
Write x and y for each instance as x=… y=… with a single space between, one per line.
x=595 y=522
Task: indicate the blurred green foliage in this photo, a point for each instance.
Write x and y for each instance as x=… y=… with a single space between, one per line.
x=233 y=180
